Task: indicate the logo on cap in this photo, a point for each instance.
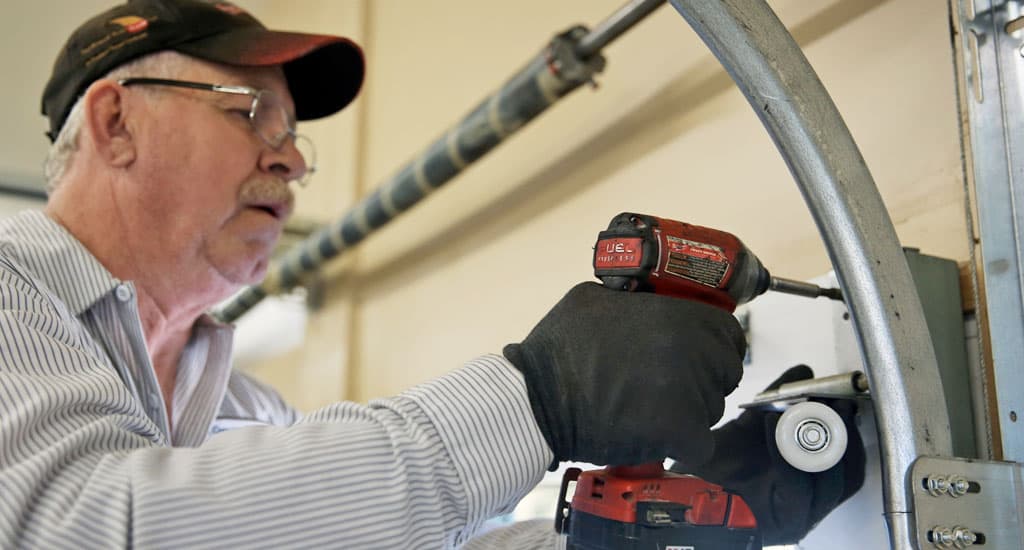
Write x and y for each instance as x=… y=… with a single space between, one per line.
x=229 y=8
x=131 y=23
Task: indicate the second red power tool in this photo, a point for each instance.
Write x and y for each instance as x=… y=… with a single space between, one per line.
x=644 y=507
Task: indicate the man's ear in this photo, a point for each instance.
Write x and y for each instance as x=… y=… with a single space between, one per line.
x=105 y=122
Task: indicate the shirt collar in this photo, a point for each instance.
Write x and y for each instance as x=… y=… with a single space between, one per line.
x=202 y=380
x=57 y=258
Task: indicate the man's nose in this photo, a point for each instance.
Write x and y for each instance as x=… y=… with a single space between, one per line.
x=285 y=162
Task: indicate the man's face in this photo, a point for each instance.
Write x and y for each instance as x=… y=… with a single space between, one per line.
x=208 y=194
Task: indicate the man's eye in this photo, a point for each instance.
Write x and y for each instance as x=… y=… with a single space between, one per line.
x=243 y=113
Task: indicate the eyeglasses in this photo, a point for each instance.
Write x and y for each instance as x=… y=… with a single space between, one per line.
x=267 y=116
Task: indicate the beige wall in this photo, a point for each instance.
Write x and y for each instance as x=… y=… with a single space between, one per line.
x=476 y=265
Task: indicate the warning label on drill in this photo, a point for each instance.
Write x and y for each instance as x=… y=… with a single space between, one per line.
x=618 y=253
x=700 y=262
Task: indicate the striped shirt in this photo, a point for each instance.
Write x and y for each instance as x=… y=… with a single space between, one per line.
x=87 y=459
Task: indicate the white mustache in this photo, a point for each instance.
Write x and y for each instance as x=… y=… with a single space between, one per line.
x=264 y=192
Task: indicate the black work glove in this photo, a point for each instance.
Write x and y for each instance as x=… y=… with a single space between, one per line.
x=787 y=502
x=625 y=378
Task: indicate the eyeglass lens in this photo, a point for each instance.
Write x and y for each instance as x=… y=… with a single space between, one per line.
x=274 y=126
x=271 y=119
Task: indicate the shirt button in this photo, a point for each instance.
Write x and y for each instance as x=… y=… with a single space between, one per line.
x=123 y=292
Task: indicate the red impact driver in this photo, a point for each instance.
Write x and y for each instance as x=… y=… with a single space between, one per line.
x=644 y=507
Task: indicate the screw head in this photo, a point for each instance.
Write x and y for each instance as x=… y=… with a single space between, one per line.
x=941 y=537
x=964 y=537
x=937 y=485
x=958 y=486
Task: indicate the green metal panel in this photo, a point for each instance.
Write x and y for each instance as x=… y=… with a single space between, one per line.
x=938 y=283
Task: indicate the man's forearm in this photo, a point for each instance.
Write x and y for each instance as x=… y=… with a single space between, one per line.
x=425 y=468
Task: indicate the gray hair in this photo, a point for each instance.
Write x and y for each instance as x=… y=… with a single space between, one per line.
x=163 y=64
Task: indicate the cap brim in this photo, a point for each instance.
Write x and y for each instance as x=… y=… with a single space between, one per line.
x=324 y=73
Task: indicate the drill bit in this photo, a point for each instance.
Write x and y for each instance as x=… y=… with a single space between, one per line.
x=800 y=288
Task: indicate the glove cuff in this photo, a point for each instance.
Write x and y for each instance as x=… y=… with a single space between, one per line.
x=540 y=386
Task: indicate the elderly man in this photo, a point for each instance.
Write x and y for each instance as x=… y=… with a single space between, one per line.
x=121 y=422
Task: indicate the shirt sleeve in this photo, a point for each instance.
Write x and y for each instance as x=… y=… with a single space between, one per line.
x=534 y=534
x=82 y=466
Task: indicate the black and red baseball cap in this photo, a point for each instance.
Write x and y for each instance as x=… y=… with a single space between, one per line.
x=324 y=72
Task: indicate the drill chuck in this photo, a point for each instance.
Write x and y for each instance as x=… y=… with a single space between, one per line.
x=801 y=288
